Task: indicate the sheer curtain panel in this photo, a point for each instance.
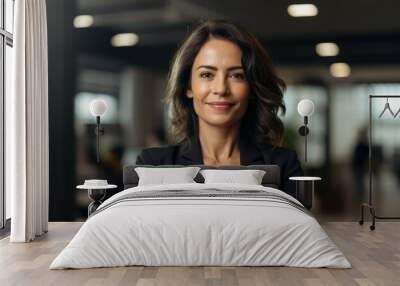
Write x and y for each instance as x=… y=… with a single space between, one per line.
x=27 y=144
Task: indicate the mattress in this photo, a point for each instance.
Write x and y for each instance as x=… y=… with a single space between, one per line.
x=201 y=225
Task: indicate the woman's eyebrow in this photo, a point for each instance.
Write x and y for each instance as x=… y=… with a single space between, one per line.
x=214 y=68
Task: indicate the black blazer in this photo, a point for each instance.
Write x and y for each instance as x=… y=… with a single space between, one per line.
x=250 y=154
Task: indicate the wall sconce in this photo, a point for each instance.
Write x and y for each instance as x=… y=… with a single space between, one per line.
x=305 y=109
x=98 y=108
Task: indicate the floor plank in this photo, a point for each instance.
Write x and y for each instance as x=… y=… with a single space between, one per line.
x=375 y=256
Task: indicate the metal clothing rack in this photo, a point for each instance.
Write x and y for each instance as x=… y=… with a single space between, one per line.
x=370 y=205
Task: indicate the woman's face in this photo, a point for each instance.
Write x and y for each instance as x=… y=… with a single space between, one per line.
x=219 y=88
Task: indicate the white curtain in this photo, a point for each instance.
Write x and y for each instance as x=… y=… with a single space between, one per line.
x=27 y=144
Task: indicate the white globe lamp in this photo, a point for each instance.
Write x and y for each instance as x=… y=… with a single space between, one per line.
x=305 y=107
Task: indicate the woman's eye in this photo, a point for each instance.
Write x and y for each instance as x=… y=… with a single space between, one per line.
x=239 y=76
x=206 y=75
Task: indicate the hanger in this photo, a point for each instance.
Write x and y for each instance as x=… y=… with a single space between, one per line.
x=398 y=111
x=387 y=107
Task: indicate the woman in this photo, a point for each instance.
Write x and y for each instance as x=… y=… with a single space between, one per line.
x=225 y=97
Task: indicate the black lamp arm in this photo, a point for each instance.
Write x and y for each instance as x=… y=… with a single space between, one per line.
x=99 y=131
x=303 y=131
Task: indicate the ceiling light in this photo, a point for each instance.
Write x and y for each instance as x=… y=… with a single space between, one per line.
x=124 y=40
x=83 y=21
x=327 y=49
x=302 y=10
x=340 y=70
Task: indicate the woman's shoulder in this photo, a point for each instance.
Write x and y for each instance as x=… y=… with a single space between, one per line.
x=278 y=153
x=285 y=157
x=163 y=155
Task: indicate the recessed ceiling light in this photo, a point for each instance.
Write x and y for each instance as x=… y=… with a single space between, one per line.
x=83 y=21
x=302 y=10
x=340 y=70
x=124 y=40
x=327 y=49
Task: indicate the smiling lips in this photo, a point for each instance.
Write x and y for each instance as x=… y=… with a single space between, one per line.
x=220 y=105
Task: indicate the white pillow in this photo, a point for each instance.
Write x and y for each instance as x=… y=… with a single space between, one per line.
x=248 y=177
x=162 y=176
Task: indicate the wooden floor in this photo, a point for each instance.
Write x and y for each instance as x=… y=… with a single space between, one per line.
x=375 y=257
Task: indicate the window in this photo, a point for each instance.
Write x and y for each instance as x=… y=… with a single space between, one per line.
x=6 y=44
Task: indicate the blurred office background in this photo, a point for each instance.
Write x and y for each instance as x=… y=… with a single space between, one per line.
x=121 y=51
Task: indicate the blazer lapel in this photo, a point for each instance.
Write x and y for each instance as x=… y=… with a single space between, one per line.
x=190 y=153
x=250 y=154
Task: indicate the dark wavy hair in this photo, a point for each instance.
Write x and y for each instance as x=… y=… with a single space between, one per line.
x=260 y=122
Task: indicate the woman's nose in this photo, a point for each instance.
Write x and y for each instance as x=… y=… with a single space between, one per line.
x=220 y=86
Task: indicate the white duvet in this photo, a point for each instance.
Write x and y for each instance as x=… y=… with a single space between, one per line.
x=183 y=231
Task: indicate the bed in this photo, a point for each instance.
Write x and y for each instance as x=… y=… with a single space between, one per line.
x=201 y=224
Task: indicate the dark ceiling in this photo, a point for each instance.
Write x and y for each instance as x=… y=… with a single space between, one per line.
x=367 y=31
